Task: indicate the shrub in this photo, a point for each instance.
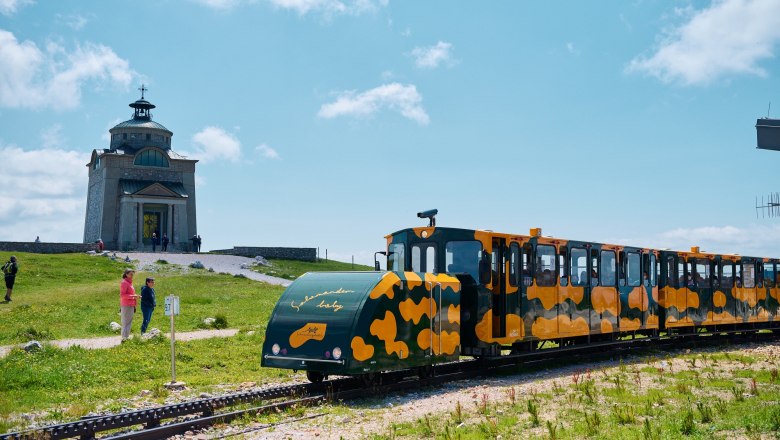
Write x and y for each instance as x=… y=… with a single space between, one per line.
x=220 y=321
x=162 y=261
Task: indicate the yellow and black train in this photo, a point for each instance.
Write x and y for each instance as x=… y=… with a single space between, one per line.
x=451 y=292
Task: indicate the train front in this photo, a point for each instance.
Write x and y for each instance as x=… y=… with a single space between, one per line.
x=312 y=324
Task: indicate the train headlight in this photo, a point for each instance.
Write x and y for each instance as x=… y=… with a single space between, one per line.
x=337 y=353
x=275 y=349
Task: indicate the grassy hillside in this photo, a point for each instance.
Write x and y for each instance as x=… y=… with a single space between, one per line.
x=291 y=269
x=77 y=296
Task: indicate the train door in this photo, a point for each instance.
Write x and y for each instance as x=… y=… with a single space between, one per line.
x=499 y=287
x=608 y=291
x=684 y=281
x=749 y=282
x=725 y=300
x=578 y=270
x=703 y=281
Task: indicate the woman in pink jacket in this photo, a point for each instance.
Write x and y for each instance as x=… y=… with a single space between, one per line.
x=127 y=302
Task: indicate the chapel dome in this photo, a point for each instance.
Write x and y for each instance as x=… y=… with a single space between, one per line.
x=141 y=131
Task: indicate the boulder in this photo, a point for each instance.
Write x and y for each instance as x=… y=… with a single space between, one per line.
x=197 y=265
x=32 y=346
x=151 y=334
x=114 y=326
x=209 y=321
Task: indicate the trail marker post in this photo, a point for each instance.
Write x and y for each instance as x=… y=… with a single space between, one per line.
x=172 y=309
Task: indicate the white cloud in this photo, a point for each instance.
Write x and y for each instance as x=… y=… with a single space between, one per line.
x=214 y=143
x=398 y=97
x=330 y=7
x=9 y=7
x=35 y=78
x=432 y=56
x=44 y=193
x=752 y=240
x=729 y=37
x=52 y=137
x=571 y=49
x=74 y=21
x=267 y=152
x=222 y=5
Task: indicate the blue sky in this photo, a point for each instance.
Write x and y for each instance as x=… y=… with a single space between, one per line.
x=330 y=123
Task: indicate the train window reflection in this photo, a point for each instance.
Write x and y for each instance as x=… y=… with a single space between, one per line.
x=727 y=274
x=749 y=274
x=395 y=260
x=463 y=257
x=703 y=273
x=608 y=268
x=653 y=271
x=579 y=267
x=632 y=270
x=545 y=265
x=769 y=274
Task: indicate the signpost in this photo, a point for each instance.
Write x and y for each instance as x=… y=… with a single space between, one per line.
x=172 y=309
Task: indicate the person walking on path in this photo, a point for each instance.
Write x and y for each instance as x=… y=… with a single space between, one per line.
x=10 y=268
x=148 y=302
x=200 y=241
x=154 y=241
x=165 y=242
x=127 y=302
x=194 y=243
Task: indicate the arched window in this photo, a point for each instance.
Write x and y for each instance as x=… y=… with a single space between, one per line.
x=151 y=158
x=96 y=165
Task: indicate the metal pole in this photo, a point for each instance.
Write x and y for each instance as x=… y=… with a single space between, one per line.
x=173 y=341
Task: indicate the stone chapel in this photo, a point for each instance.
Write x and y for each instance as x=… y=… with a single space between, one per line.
x=139 y=186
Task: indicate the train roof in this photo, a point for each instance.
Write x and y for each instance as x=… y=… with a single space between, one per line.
x=536 y=233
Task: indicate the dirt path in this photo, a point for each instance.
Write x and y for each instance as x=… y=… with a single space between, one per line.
x=113 y=341
x=231 y=264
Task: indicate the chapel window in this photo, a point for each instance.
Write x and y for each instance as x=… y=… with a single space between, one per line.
x=151 y=158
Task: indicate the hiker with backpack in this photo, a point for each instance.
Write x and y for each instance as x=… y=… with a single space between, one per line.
x=10 y=268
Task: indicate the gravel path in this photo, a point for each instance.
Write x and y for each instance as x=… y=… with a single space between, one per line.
x=113 y=341
x=220 y=263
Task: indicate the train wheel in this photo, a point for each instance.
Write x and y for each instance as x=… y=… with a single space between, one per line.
x=371 y=379
x=315 y=376
x=425 y=371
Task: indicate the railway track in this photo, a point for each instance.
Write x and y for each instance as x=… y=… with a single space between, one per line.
x=202 y=413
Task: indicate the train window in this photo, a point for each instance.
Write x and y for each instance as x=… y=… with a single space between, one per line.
x=463 y=257
x=726 y=273
x=671 y=273
x=545 y=265
x=514 y=261
x=395 y=259
x=748 y=274
x=525 y=260
x=562 y=265
x=430 y=259
x=594 y=267
x=633 y=275
x=608 y=268
x=702 y=275
x=578 y=266
x=769 y=274
x=681 y=275
x=653 y=272
x=424 y=258
x=738 y=274
x=759 y=274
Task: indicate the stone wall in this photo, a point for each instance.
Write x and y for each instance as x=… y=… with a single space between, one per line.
x=46 y=248
x=282 y=253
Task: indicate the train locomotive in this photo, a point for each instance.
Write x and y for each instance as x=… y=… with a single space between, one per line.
x=450 y=292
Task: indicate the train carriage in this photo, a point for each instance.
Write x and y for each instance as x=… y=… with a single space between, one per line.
x=449 y=292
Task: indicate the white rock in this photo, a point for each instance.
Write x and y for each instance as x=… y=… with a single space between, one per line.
x=209 y=321
x=114 y=326
x=197 y=265
x=250 y=332
x=151 y=334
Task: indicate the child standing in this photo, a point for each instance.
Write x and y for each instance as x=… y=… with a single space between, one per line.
x=148 y=303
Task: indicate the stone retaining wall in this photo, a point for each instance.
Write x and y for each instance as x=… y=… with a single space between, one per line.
x=282 y=253
x=46 y=248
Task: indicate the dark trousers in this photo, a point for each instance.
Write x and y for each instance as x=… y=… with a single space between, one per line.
x=147 y=313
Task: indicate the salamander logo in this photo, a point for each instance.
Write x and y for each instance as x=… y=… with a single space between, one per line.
x=335 y=306
x=311 y=330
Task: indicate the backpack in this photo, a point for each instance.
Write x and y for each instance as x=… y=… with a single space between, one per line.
x=7 y=268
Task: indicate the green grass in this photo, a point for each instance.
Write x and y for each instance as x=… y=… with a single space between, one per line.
x=291 y=269
x=77 y=296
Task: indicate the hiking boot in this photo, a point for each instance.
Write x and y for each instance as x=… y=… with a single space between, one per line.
x=7 y=298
